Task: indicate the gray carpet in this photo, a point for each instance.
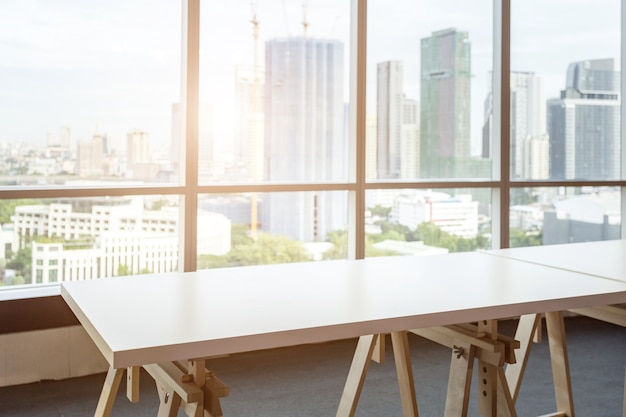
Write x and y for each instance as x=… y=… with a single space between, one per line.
x=308 y=380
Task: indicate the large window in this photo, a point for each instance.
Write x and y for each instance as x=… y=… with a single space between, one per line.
x=157 y=136
x=427 y=80
x=565 y=124
x=86 y=92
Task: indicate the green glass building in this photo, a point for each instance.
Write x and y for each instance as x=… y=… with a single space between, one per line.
x=445 y=105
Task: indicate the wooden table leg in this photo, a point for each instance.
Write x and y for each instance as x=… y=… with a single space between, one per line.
x=132 y=383
x=527 y=326
x=560 y=363
x=404 y=371
x=109 y=392
x=356 y=376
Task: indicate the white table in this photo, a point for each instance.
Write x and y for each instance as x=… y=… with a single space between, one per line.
x=605 y=260
x=155 y=319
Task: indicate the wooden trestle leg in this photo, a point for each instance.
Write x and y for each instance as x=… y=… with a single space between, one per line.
x=358 y=370
x=356 y=376
x=560 y=363
x=109 y=391
x=527 y=327
x=402 y=356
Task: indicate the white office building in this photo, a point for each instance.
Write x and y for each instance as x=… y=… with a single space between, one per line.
x=457 y=215
x=99 y=238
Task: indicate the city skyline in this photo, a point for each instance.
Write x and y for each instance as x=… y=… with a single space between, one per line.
x=104 y=80
x=124 y=54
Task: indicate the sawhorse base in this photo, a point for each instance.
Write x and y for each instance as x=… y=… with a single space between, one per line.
x=189 y=387
x=499 y=384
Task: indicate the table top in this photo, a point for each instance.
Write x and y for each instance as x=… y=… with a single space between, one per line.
x=606 y=259
x=144 y=319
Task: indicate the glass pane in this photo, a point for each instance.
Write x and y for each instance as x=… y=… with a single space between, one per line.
x=427 y=222
x=68 y=239
x=274 y=96
x=289 y=227
x=546 y=216
x=86 y=91
x=565 y=85
x=425 y=90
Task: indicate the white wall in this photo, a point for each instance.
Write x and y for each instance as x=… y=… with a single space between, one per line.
x=61 y=353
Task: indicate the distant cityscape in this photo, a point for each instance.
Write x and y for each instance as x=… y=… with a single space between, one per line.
x=291 y=126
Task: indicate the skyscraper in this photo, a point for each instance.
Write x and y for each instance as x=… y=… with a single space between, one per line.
x=397 y=135
x=584 y=123
x=304 y=140
x=137 y=147
x=389 y=103
x=527 y=118
x=91 y=156
x=410 y=140
x=445 y=104
x=528 y=126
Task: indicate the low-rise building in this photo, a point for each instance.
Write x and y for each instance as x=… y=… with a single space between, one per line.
x=457 y=215
x=103 y=237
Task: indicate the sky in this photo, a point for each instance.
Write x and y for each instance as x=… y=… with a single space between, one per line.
x=103 y=66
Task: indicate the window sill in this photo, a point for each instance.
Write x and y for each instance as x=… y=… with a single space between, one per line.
x=27 y=308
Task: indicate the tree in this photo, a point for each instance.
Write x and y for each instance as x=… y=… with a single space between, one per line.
x=339 y=239
x=21 y=262
x=522 y=196
x=381 y=211
x=123 y=270
x=391 y=231
x=7 y=208
x=433 y=235
x=239 y=235
x=519 y=238
x=18 y=280
x=267 y=249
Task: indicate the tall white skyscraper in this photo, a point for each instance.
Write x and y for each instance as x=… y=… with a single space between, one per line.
x=91 y=156
x=137 y=147
x=528 y=120
x=410 y=140
x=304 y=136
x=389 y=103
x=528 y=126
